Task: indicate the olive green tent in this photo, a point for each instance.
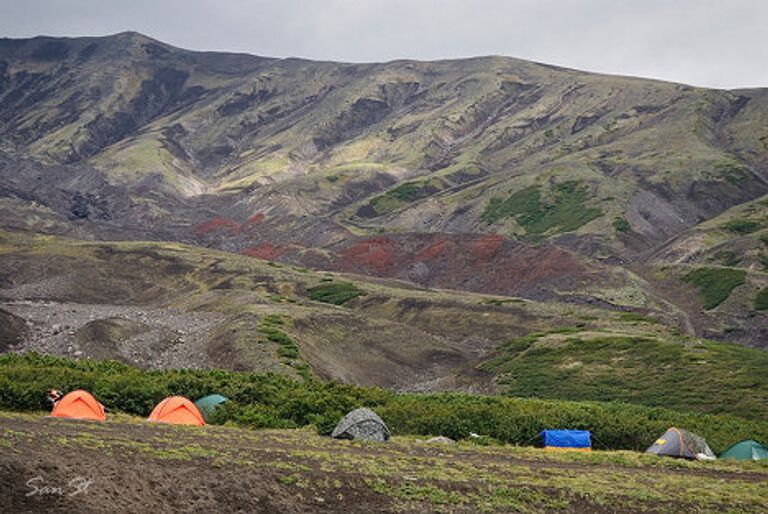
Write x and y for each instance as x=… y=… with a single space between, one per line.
x=207 y=404
x=746 y=450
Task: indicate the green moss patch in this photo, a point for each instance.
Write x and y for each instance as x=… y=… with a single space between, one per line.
x=715 y=284
x=401 y=195
x=563 y=211
x=271 y=328
x=761 y=300
x=742 y=226
x=621 y=224
x=337 y=293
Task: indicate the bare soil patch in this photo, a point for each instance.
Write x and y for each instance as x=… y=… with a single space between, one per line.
x=131 y=466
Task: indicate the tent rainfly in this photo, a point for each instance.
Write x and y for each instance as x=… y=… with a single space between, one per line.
x=577 y=440
x=361 y=424
x=176 y=410
x=746 y=450
x=680 y=443
x=78 y=405
x=207 y=404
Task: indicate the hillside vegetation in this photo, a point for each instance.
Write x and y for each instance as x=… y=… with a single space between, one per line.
x=271 y=401
x=667 y=372
x=715 y=284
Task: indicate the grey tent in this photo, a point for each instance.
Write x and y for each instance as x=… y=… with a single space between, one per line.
x=677 y=442
x=361 y=424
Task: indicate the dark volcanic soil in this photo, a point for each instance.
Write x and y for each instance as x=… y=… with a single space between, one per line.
x=131 y=466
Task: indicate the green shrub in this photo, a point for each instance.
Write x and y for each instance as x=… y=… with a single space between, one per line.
x=337 y=293
x=742 y=226
x=519 y=421
x=406 y=192
x=273 y=401
x=499 y=302
x=715 y=284
x=288 y=352
x=411 y=191
x=621 y=224
x=564 y=211
x=717 y=378
x=272 y=319
x=761 y=300
x=726 y=258
x=287 y=349
x=276 y=336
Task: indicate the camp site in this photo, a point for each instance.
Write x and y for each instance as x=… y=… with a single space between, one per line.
x=387 y=451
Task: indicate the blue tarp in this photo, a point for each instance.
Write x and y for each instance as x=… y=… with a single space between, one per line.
x=566 y=438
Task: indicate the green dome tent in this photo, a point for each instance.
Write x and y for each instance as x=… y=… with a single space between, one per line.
x=746 y=450
x=207 y=404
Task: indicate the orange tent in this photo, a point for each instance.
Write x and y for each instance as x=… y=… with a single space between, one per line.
x=78 y=405
x=177 y=410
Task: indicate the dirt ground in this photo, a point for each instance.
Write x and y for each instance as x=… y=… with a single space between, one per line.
x=127 y=465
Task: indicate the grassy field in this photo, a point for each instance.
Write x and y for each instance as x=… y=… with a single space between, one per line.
x=136 y=466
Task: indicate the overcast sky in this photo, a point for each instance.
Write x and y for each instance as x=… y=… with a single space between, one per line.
x=717 y=43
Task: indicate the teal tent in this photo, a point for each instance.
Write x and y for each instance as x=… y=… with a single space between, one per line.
x=207 y=404
x=746 y=450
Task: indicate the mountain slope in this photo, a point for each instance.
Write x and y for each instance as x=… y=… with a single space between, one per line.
x=162 y=305
x=664 y=156
x=441 y=173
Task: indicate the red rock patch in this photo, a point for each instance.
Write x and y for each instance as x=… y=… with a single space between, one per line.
x=483 y=263
x=253 y=220
x=217 y=224
x=485 y=248
x=377 y=253
x=266 y=251
x=432 y=251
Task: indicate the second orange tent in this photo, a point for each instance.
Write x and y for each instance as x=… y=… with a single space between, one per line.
x=176 y=410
